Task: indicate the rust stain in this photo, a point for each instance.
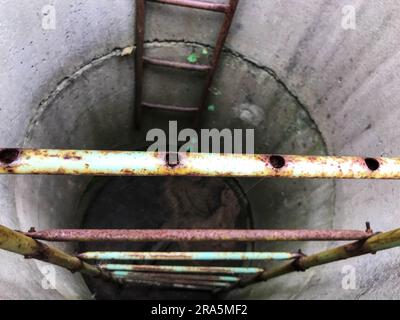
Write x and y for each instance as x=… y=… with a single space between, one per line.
x=89 y=235
x=68 y=157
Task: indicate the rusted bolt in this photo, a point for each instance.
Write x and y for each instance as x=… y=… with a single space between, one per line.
x=172 y=159
x=8 y=156
x=31 y=230
x=278 y=162
x=301 y=253
x=372 y=164
x=78 y=268
x=368 y=227
x=296 y=264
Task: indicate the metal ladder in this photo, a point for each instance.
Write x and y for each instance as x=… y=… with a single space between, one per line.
x=120 y=266
x=140 y=59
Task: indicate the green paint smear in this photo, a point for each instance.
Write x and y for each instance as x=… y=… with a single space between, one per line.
x=211 y=108
x=192 y=58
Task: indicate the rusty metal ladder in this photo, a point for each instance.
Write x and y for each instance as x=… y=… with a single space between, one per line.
x=140 y=59
x=121 y=266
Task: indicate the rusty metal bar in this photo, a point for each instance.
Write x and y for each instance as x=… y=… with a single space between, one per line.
x=174 y=277
x=211 y=284
x=126 y=276
x=201 y=5
x=165 y=107
x=17 y=242
x=180 y=269
x=126 y=163
x=190 y=235
x=377 y=242
x=223 y=34
x=169 y=285
x=177 y=65
x=175 y=256
x=229 y=11
x=139 y=37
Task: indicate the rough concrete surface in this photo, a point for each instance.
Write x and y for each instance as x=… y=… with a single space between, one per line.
x=318 y=87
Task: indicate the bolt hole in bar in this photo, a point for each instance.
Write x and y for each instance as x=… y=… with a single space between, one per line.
x=278 y=162
x=8 y=156
x=172 y=159
x=131 y=163
x=372 y=164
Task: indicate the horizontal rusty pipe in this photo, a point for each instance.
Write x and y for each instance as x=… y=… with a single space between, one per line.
x=16 y=242
x=180 y=269
x=212 y=285
x=127 y=276
x=169 y=285
x=177 y=65
x=173 y=277
x=195 y=4
x=159 y=106
x=126 y=163
x=175 y=256
x=93 y=235
x=377 y=242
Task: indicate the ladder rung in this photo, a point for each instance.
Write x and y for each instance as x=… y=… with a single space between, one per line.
x=202 y=5
x=168 y=108
x=178 y=65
